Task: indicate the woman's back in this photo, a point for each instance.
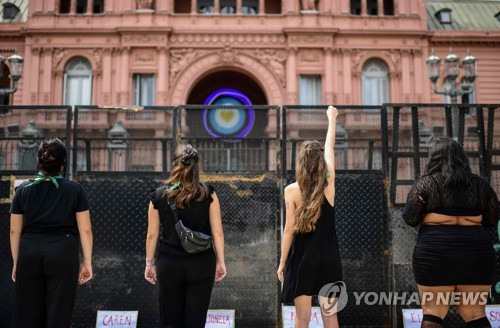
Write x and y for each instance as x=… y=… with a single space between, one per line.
x=47 y=208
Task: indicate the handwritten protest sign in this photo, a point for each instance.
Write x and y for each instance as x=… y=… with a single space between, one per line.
x=220 y=318
x=493 y=315
x=106 y=319
x=412 y=318
x=289 y=317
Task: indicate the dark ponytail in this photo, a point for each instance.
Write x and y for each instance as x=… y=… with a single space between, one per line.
x=51 y=156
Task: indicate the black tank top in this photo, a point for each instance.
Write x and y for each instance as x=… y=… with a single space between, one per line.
x=195 y=217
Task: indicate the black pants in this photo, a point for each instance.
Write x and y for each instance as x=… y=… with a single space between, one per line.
x=185 y=285
x=46 y=280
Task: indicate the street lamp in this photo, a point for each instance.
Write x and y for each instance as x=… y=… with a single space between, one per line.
x=16 y=71
x=451 y=65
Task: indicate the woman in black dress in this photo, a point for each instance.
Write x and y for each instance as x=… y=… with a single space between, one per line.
x=48 y=215
x=454 y=252
x=185 y=280
x=310 y=256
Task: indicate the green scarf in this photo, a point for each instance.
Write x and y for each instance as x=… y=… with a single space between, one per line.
x=41 y=177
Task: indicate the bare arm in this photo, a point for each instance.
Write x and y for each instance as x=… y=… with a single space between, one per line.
x=16 y=227
x=218 y=235
x=153 y=231
x=151 y=242
x=288 y=232
x=86 y=239
x=216 y=227
x=330 y=153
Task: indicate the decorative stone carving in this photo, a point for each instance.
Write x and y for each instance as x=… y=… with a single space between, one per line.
x=229 y=55
x=179 y=58
x=233 y=39
x=394 y=56
x=144 y=4
x=356 y=60
x=275 y=60
x=57 y=56
x=144 y=58
x=311 y=57
x=97 y=54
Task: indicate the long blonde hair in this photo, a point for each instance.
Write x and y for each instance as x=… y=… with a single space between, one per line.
x=185 y=176
x=311 y=177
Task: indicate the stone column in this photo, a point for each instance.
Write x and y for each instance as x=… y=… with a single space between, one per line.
x=108 y=6
x=125 y=78
x=90 y=7
x=405 y=74
x=216 y=6
x=380 y=7
x=161 y=97
x=35 y=72
x=50 y=6
x=420 y=70
x=345 y=7
x=47 y=76
x=239 y=5
x=364 y=8
x=262 y=8
x=291 y=76
x=347 y=78
x=107 y=67
x=72 y=9
x=194 y=7
x=328 y=76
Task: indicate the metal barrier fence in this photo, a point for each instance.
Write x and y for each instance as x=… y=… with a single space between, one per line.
x=123 y=139
x=410 y=129
x=249 y=163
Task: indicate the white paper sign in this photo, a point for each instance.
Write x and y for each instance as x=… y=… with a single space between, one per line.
x=116 y=319
x=412 y=318
x=493 y=315
x=289 y=316
x=220 y=318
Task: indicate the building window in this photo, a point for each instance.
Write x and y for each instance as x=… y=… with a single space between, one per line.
x=356 y=7
x=375 y=83
x=182 y=6
x=10 y=11
x=444 y=16
x=81 y=6
x=78 y=82
x=228 y=7
x=98 y=6
x=372 y=7
x=144 y=89
x=310 y=95
x=388 y=7
x=273 y=7
x=250 y=7
x=310 y=90
x=206 y=6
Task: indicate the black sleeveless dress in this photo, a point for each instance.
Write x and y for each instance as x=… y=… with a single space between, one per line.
x=314 y=258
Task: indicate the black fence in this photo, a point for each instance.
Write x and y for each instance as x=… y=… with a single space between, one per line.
x=119 y=153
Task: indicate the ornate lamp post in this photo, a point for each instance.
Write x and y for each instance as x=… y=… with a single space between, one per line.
x=16 y=71
x=451 y=64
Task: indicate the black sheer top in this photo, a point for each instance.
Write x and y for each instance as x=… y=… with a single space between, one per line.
x=195 y=216
x=429 y=194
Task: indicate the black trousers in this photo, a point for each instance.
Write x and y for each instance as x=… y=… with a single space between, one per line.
x=46 y=280
x=185 y=285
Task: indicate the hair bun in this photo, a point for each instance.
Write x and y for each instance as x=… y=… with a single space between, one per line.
x=47 y=156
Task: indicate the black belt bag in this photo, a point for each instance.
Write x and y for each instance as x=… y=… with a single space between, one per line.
x=192 y=241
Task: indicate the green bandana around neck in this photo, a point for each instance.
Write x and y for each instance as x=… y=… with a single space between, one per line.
x=41 y=177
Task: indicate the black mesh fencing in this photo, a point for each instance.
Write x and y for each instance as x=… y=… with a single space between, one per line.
x=22 y=128
x=123 y=139
x=410 y=130
x=412 y=127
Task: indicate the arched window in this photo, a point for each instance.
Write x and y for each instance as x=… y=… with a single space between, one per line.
x=78 y=82
x=375 y=83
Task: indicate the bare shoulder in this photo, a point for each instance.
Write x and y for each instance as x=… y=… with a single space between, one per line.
x=292 y=191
